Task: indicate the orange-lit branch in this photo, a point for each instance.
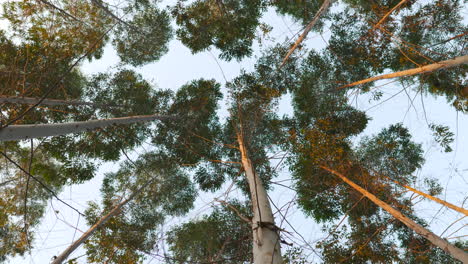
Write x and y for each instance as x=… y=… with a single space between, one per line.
x=433 y=238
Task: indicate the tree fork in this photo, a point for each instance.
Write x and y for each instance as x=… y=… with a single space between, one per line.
x=266 y=240
x=433 y=238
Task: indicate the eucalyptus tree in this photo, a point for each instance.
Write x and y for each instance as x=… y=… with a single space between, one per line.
x=43 y=46
x=366 y=40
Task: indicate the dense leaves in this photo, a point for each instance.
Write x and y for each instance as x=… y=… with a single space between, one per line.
x=220 y=237
x=23 y=199
x=228 y=25
x=128 y=236
x=146 y=39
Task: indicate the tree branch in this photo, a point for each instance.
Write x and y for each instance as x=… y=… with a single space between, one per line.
x=424 y=69
x=312 y=23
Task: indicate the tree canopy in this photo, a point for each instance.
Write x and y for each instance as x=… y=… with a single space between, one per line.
x=216 y=136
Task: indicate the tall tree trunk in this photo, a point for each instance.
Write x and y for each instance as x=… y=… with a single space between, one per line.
x=34 y=100
x=312 y=23
x=428 y=68
x=115 y=211
x=19 y=132
x=433 y=238
x=266 y=240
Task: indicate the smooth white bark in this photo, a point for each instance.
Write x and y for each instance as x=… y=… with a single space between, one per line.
x=428 y=68
x=433 y=238
x=266 y=240
x=20 y=132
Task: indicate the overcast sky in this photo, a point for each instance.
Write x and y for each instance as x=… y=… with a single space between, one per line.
x=179 y=66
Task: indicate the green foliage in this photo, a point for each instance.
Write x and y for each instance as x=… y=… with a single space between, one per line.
x=194 y=125
x=146 y=40
x=443 y=136
x=392 y=153
x=228 y=25
x=426 y=253
x=303 y=11
x=42 y=43
x=220 y=237
x=126 y=237
x=17 y=222
x=295 y=255
x=124 y=93
x=59 y=36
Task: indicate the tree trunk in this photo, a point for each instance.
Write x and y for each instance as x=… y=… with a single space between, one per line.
x=433 y=238
x=266 y=240
x=312 y=23
x=19 y=132
x=115 y=211
x=428 y=68
x=33 y=100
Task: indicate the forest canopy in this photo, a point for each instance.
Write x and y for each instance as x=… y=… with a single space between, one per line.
x=62 y=123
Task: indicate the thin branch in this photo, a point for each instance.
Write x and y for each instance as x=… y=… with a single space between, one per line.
x=244 y=218
x=452 y=38
x=26 y=195
x=459 y=219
